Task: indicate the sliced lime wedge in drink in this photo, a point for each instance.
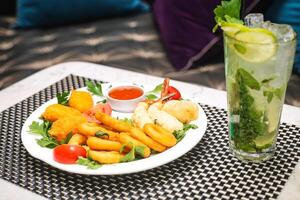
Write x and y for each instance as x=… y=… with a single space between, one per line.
x=231 y=29
x=266 y=140
x=255 y=44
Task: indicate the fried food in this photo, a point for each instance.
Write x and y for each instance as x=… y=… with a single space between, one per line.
x=115 y=124
x=57 y=111
x=184 y=111
x=163 y=118
x=96 y=143
x=105 y=157
x=160 y=135
x=77 y=139
x=140 y=115
x=126 y=139
x=63 y=126
x=141 y=136
x=90 y=129
x=81 y=100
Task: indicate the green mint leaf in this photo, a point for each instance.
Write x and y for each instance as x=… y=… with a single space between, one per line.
x=151 y=96
x=101 y=134
x=63 y=98
x=269 y=95
x=91 y=164
x=248 y=79
x=67 y=139
x=233 y=20
x=228 y=11
x=179 y=134
x=240 y=48
x=36 y=127
x=94 y=88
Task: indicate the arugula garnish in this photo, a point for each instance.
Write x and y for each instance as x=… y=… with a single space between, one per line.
x=94 y=88
x=228 y=11
x=100 y=134
x=130 y=156
x=179 y=134
x=151 y=95
x=63 y=98
x=91 y=164
x=42 y=130
x=67 y=139
x=127 y=120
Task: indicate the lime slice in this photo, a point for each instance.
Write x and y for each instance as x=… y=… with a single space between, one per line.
x=256 y=45
x=231 y=29
x=266 y=140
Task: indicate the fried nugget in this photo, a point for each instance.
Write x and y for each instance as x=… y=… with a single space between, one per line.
x=63 y=126
x=57 y=111
x=96 y=143
x=90 y=129
x=81 y=100
x=184 y=111
x=106 y=157
x=126 y=139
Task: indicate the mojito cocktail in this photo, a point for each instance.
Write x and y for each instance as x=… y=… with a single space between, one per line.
x=258 y=63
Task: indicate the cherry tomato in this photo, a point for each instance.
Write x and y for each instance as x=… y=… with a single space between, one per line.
x=177 y=95
x=68 y=153
x=100 y=107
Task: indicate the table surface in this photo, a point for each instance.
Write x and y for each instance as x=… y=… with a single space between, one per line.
x=205 y=95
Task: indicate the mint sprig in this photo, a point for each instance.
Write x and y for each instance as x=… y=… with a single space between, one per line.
x=228 y=11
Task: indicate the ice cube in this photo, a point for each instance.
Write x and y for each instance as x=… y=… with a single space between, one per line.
x=283 y=32
x=254 y=20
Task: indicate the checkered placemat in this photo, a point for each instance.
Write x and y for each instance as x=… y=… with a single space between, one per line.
x=208 y=171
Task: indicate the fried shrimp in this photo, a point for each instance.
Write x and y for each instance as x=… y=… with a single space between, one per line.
x=160 y=135
x=106 y=157
x=184 y=111
x=90 y=129
x=63 y=126
x=164 y=119
x=57 y=111
x=140 y=116
x=126 y=139
x=96 y=143
x=81 y=100
x=115 y=124
x=141 y=136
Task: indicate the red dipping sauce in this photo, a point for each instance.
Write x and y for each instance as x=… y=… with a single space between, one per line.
x=125 y=92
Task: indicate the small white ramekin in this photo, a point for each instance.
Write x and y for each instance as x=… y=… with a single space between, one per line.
x=124 y=105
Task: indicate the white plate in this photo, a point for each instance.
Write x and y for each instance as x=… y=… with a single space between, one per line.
x=193 y=136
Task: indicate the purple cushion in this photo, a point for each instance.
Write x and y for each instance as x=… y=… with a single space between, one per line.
x=186 y=29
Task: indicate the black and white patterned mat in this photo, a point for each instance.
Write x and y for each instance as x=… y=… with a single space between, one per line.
x=208 y=171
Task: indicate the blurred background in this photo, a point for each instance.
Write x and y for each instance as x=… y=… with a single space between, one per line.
x=170 y=38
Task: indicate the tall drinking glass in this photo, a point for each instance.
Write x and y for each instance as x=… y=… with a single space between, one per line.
x=256 y=81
